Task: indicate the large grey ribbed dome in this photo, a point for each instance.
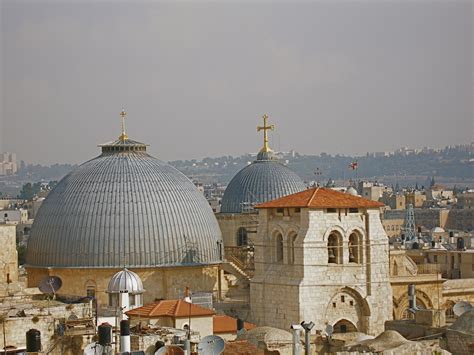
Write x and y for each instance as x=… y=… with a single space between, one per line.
x=264 y=180
x=124 y=208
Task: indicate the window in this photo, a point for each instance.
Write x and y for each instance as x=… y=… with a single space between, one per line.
x=353 y=210
x=435 y=258
x=351 y=303
x=343 y=299
x=331 y=210
x=279 y=248
x=335 y=248
x=291 y=248
x=297 y=210
x=334 y=305
x=355 y=248
x=280 y=210
x=242 y=237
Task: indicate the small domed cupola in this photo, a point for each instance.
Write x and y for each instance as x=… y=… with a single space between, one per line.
x=125 y=289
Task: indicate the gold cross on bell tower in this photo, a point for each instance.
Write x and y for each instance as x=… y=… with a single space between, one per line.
x=265 y=128
x=123 y=136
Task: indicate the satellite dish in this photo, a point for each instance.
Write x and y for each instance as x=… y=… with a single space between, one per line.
x=211 y=345
x=50 y=285
x=161 y=351
x=93 y=349
x=461 y=307
x=329 y=329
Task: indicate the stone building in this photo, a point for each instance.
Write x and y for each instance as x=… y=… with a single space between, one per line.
x=8 y=257
x=415 y=198
x=321 y=255
x=263 y=180
x=126 y=208
x=465 y=200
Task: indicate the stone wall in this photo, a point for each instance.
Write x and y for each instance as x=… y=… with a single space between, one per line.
x=8 y=254
x=159 y=283
x=283 y=293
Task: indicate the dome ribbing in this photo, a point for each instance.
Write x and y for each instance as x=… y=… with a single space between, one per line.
x=124 y=208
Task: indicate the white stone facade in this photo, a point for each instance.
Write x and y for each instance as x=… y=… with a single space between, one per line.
x=292 y=284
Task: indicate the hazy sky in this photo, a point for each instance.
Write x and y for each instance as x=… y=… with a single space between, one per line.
x=195 y=77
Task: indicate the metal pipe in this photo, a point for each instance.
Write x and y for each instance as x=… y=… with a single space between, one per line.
x=296 y=330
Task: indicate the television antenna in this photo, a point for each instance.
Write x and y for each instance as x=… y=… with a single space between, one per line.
x=211 y=345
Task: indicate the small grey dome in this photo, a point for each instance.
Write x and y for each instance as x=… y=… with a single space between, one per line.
x=125 y=281
x=351 y=191
x=264 y=180
x=124 y=207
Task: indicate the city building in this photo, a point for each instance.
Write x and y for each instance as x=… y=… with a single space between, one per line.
x=415 y=198
x=465 y=200
x=371 y=190
x=321 y=255
x=8 y=164
x=126 y=208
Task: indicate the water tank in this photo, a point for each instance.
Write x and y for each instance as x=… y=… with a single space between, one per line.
x=124 y=327
x=33 y=341
x=105 y=334
x=240 y=324
x=460 y=244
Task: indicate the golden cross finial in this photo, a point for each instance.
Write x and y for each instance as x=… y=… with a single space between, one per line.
x=265 y=128
x=123 y=136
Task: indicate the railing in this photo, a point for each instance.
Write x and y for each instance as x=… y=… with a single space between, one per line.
x=243 y=257
x=425 y=269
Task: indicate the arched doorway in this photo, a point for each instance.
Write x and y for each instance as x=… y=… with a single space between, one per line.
x=344 y=326
x=349 y=303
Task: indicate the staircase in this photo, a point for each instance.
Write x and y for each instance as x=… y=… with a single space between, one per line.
x=234 y=266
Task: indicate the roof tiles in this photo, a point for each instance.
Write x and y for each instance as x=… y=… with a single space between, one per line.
x=321 y=198
x=226 y=324
x=170 y=308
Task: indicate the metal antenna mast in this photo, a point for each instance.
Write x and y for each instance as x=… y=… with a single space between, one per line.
x=410 y=229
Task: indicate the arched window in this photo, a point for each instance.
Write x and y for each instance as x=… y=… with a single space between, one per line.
x=279 y=248
x=344 y=326
x=355 y=248
x=242 y=237
x=291 y=248
x=90 y=288
x=335 y=248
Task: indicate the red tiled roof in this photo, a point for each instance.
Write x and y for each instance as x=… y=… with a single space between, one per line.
x=170 y=308
x=226 y=324
x=321 y=198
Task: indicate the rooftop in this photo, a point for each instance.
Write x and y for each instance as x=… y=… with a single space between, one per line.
x=170 y=308
x=226 y=324
x=321 y=198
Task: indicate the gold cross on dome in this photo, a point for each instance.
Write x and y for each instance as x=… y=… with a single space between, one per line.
x=123 y=136
x=265 y=128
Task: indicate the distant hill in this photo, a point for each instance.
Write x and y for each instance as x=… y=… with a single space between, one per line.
x=451 y=165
